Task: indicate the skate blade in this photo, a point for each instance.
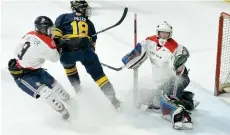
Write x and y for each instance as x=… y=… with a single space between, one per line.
x=119 y=107
x=154 y=110
x=65 y=114
x=77 y=89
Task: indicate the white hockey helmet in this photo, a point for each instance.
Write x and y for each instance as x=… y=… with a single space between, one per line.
x=164 y=27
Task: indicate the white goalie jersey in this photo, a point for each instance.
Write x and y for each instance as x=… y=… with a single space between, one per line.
x=162 y=57
x=34 y=49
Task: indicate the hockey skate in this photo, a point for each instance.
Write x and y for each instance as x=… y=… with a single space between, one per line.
x=116 y=103
x=65 y=114
x=77 y=88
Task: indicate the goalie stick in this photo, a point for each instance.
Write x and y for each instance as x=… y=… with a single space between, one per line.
x=118 y=23
x=113 y=68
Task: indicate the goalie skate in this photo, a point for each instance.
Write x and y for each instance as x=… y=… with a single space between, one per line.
x=148 y=108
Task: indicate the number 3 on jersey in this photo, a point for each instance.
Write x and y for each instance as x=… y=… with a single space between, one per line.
x=24 y=49
x=80 y=28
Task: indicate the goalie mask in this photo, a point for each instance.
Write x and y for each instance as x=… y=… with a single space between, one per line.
x=164 y=32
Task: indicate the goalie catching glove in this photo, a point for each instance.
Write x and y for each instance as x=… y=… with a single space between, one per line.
x=179 y=58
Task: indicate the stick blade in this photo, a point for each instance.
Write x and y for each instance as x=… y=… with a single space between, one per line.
x=123 y=16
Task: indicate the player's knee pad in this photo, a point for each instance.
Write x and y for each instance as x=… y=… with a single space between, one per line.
x=106 y=86
x=48 y=95
x=60 y=91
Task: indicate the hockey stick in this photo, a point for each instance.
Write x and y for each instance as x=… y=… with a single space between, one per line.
x=118 y=23
x=113 y=68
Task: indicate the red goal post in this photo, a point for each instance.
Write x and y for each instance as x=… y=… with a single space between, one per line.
x=222 y=78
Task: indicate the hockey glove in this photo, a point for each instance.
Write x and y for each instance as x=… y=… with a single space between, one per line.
x=179 y=58
x=56 y=33
x=179 y=61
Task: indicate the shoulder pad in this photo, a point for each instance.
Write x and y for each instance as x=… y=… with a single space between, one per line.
x=152 y=38
x=47 y=40
x=171 y=44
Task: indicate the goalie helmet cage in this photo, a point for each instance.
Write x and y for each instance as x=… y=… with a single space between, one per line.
x=222 y=79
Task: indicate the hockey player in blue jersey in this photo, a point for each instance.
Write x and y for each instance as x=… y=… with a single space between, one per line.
x=73 y=35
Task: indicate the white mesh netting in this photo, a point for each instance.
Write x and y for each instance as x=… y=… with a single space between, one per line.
x=225 y=53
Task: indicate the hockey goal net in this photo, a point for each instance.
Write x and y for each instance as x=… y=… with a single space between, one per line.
x=222 y=82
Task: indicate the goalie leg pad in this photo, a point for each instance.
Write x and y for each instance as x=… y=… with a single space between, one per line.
x=181 y=119
x=175 y=113
x=167 y=108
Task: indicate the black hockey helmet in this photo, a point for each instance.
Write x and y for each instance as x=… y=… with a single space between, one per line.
x=43 y=25
x=80 y=6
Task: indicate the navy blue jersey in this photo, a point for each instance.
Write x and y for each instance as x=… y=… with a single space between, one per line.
x=71 y=25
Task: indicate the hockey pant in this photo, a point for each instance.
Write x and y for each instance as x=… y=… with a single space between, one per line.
x=31 y=83
x=40 y=83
